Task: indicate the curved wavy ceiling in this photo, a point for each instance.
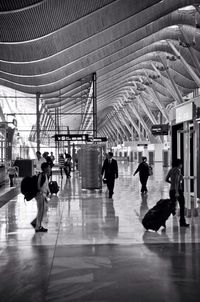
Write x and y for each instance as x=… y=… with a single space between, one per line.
x=145 y=55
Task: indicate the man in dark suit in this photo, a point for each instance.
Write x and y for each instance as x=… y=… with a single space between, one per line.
x=110 y=172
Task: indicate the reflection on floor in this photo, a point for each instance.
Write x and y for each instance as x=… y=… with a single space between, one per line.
x=96 y=248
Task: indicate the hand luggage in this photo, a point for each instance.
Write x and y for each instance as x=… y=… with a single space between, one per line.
x=53 y=187
x=157 y=216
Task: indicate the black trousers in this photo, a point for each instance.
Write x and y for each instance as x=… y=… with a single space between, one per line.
x=61 y=171
x=11 y=176
x=110 y=185
x=181 y=201
x=143 y=180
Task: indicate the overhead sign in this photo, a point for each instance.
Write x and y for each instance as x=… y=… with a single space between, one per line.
x=98 y=139
x=143 y=145
x=70 y=137
x=185 y=113
x=78 y=137
x=160 y=129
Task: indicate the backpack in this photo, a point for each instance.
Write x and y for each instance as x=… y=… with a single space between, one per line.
x=29 y=187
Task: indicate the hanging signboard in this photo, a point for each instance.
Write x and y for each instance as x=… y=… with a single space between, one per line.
x=185 y=112
x=160 y=129
x=98 y=139
x=70 y=137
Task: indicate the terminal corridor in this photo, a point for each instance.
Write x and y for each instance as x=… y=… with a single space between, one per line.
x=96 y=248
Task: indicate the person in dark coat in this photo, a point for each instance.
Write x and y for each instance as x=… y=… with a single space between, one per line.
x=175 y=178
x=110 y=172
x=143 y=170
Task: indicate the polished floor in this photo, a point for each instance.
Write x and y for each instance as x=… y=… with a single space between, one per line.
x=96 y=248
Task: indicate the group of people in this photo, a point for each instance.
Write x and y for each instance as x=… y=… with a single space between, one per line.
x=42 y=159
x=109 y=173
x=174 y=177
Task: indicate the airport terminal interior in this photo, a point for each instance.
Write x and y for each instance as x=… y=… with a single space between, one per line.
x=80 y=79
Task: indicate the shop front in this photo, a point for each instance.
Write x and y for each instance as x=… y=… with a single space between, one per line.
x=185 y=144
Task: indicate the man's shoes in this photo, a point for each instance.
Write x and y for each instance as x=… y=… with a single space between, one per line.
x=41 y=229
x=184 y=224
x=33 y=224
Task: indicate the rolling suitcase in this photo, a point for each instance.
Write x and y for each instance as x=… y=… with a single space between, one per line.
x=157 y=216
x=53 y=187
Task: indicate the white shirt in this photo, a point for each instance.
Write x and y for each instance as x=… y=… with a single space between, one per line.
x=38 y=163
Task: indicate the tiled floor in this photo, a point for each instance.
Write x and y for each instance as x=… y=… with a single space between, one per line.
x=96 y=248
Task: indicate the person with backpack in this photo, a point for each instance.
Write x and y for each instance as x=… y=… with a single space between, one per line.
x=143 y=170
x=41 y=197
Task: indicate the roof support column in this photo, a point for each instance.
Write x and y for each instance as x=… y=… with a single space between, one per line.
x=159 y=103
x=114 y=125
x=137 y=128
x=134 y=110
x=109 y=132
x=117 y=122
x=191 y=50
x=132 y=122
x=148 y=112
x=117 y=127
x=94 y=95
x=177 y=95
x=102 y=132
x=187 y=66
x=121 y=116
x=38 y=119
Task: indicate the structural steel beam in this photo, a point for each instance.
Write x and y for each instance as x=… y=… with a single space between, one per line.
x=187 y=66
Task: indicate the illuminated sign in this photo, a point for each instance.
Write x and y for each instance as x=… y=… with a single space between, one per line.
x=78 y=137
x=70 y=137
x=160 y=129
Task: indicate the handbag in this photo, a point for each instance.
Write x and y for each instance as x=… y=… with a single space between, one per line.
x=150 y=170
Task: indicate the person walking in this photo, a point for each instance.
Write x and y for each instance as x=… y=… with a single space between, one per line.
x=61 y=162
x=41 y=197
x=12 y=172
x=67 y=167
x=110 y=172
x=175 y=178
x=52 y=157
x=38 y=162
x=49 y=161
x=143 y=170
